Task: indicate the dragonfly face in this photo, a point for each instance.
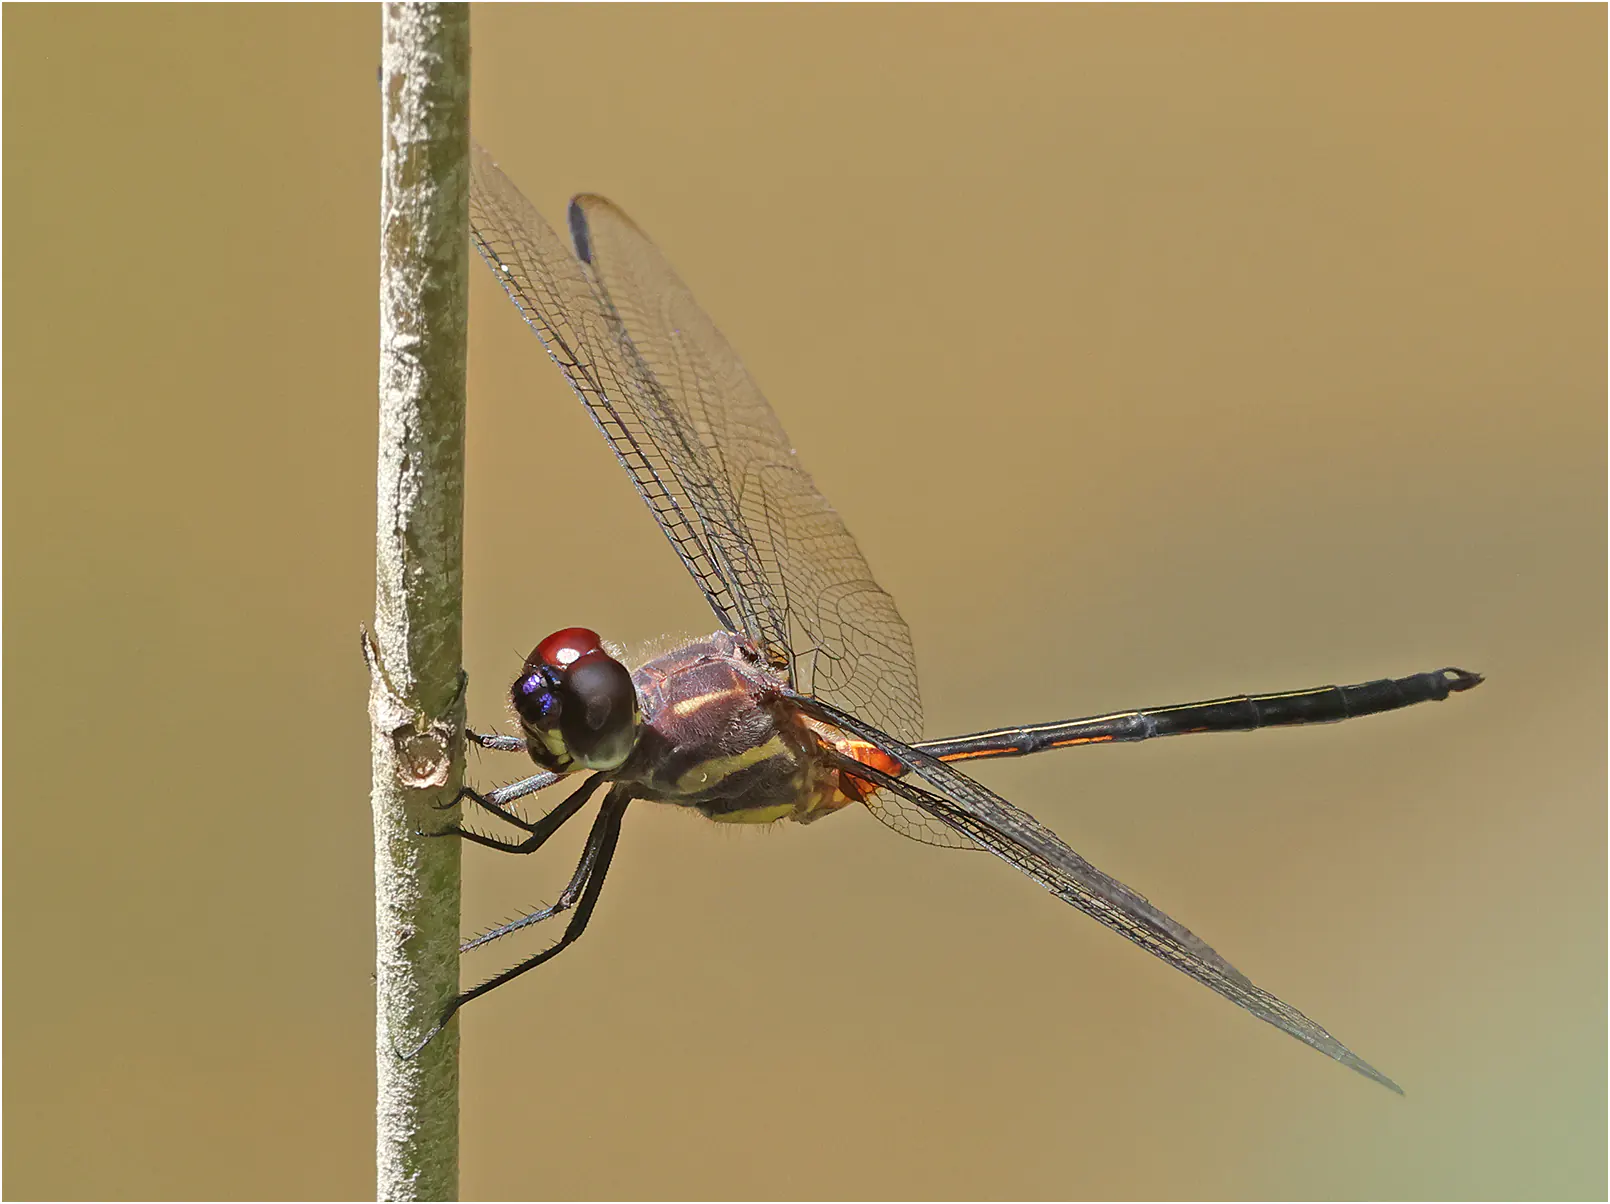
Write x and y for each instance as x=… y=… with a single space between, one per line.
x=576 y=704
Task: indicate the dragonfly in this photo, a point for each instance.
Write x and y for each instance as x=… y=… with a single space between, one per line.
x=805 y=701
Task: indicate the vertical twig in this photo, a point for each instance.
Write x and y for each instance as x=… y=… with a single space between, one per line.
x=416 y=693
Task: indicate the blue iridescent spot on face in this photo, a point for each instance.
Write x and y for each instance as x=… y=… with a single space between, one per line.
x=535 y=700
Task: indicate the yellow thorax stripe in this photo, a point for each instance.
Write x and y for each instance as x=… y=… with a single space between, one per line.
x=707 y=773
x=689 y=705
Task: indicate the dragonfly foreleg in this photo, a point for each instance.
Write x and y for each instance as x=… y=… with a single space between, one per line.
x=538 y=831
x=495 y=800
x=494 y=741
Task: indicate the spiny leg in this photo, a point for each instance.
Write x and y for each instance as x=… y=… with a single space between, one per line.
x=495 y=742
x=539 y=831
x=497 y=800
x=581 y=893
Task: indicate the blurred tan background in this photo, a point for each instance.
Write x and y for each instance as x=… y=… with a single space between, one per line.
x=1152 y=354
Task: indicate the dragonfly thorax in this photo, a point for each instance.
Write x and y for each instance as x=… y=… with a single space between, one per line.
x=716 y=739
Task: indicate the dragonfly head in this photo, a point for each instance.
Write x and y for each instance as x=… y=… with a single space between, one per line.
x=577 y=703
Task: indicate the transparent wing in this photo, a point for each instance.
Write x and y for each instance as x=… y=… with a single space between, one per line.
x=916 y=822
x=705 y=449
x=846 y=638
x=560 y=300
x=984 y=817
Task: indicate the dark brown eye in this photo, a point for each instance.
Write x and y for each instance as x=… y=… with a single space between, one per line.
x=603 y=706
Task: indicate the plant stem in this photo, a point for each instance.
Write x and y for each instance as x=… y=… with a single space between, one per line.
x=416 y=697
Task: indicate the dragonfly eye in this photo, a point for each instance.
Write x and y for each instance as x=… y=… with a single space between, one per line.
x=577 y=701
x=600 y=725
x=564 y=648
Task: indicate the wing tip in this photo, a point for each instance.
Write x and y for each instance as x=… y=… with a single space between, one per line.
x=1369 y=1072
x=1382 y=1079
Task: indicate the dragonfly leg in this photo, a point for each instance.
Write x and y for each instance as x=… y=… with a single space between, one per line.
x=567 y=900
x=494 y=741
x=581 y=893
x=485 y=841
x=496 y=801
x=493 y=798
x=537 y=832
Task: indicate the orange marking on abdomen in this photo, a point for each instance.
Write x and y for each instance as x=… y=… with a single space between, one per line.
x=969 y=754
x=858 y=790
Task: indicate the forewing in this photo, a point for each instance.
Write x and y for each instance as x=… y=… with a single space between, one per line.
x=966 y=806
x=560 y=300
x=808 y=586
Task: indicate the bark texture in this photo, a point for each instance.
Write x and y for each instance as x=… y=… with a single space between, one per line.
x=416 y=683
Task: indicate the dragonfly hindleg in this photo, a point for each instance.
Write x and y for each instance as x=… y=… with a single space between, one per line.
x=581 y=893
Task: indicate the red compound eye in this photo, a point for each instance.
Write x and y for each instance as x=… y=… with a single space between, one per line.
x=564 y=648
